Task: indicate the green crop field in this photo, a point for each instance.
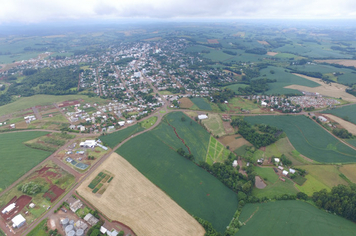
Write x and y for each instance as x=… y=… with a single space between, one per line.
x=201 y=103
x=216 y=152
x=194 y=189
x=309 y=139
x=284 y=79
x=293 y=217
x=39 y=230
x=117 y=137
x=16 y=158
x=346 y=112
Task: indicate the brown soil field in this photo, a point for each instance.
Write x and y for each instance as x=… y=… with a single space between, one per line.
x=213 y=41
x=272 y=53
x=349 y=171
x=330 y=90
x=140 y=204
x=185 y=103
x=228 y=128
x=340 y=62
x=232 y=142
x=259 y=183
x=262 y=42
x=347 y=125
x=57 y=191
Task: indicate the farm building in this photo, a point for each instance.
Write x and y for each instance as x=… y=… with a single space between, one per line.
x=235 y=164
x=88 y=143
x=18 y=221
x=8 y=208
x=285 y=172
x=276 y=160
x=75 y=205
x=202 y=117
x=121 y=123
x=91 y=219
x=292 y=171
x=280 y=167
x=263 y=103
x=103 y=230
x=322 y=119
x=103 y=147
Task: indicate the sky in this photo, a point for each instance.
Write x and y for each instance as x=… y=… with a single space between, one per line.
x=37 y=11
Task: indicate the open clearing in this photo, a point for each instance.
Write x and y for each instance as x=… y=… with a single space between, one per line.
x=320 y=177
x=185 y=103
x=330 y=90
x=139 y=203
x=294 y=217
x=16 y=158
x=234 y=141
x=214 y=124
x=262 y=42
x=272 y=53
x=347 y=125
x=193 y=188
x=340 y=62
x=309 y=138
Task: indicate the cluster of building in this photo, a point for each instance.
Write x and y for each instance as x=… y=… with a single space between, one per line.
x=313 y=101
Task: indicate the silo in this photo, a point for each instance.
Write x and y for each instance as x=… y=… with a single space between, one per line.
x=80 y=232
x=71 y=222
x=65 y=222
x=71 y=233
x=68 y=228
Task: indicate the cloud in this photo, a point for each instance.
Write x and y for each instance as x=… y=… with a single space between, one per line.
x=28 y=11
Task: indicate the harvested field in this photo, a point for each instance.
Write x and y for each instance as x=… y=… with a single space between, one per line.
x=272 y=53
x=349 y=171
x=262 y=42
x=139 y=203
x=228 y=128
x=347 y=125
x=340 y=62
x=234 y=141
x=185 y=103
x=330 y=90
x=213 y=41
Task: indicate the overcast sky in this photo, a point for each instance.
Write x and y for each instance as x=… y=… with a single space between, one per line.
x=36 y=11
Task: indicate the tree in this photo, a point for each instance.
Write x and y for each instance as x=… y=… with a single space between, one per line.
x=302 y=196
x=182 y=119
x=96 y=232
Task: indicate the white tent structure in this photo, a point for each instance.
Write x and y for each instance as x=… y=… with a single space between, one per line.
x=18 y=221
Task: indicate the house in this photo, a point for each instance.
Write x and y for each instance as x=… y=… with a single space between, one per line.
x=292 y=171
x=18 y=221
x=285 y=173
x=280 y=167
x=91 y=219
x=103 y=230
x=235 y=164
x=12 y=126
x=263 y=103
x=121 y=123
x=75 y=205
x=322 y=119
x=72 y=126
x=276 y=160
x=202 y=117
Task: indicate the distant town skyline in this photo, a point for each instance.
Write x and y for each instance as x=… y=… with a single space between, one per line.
x=38 y=11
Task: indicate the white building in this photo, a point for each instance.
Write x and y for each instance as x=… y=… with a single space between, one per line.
x=8 y=208
x=291 y=170
x=18 y=221
x=322 y=119
x=202 y=117
x=263 y=103
x=235 y=164
x=285 y=172
x=88 y=143
x=276 y=160
x=121 y=123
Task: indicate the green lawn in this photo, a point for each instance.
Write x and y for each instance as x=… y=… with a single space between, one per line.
x=148 y=122
x=309 y=139
x=16 y=158
x=201 y=103
x=292 y=218
x=194 y=189
x=117 y=137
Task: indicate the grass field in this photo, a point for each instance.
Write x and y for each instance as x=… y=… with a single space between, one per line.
x=346 y=113
x=195 y=137
x=39 y=229
x=309 y=138
x=294 y=217
x=238 y=104
x=201 y=103
x=138 y=202
x=214 y=124
x=16 y=158
x=194 y=189
x=148 y=122
x=216 y=152
x=235 y=87
x=117 y=137
x=41 y=100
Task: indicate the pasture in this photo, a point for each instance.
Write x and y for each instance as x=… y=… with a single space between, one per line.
x=346 y=112
x=136 y=198
x=214 y=124
x=309 y=139
x=117 y=137
x=319 y=177
x=201 y=103
x=295 y=217
x=194 y=189
x=216 y=152
x=16 y=158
